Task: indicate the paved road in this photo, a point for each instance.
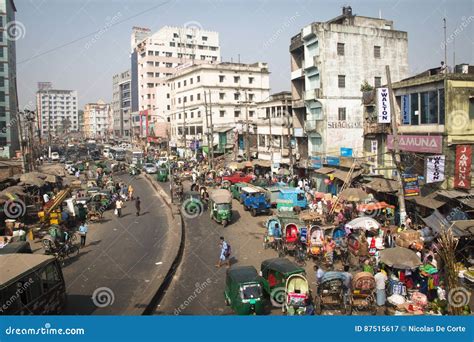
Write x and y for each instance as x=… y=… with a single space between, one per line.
x=123 y=256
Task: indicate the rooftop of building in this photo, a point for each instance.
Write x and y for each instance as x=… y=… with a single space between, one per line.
x=462 y=72
x=259 y=67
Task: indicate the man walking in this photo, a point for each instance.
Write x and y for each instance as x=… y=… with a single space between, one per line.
x=118 y=207
x=225 y=253
x=137 y=205
x=380 y=280
x=83 y=229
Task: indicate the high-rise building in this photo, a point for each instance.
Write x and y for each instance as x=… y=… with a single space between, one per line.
x=157 y=56
x=97 y=120
x=121 y=105
x=330 y=63
x=9 y=137
x=57 y=110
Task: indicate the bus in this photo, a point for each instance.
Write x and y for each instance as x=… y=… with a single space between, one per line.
x=119 y=155
x=134 y=157
x=31 y=284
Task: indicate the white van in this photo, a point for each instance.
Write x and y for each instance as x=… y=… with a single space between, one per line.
x=54 y=156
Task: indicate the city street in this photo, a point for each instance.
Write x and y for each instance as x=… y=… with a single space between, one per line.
x=124 y=259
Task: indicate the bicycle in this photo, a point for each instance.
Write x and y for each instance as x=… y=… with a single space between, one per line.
x=67 y=250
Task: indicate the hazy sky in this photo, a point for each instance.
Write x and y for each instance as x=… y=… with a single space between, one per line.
x=258 y=30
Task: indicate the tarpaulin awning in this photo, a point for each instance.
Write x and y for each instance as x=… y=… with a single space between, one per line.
x=400 y=258
x=374 y=206
x=436 y=221
x=353 y=195
x=363 y=222
x=262 y=163
x=427 y=201
x=467 y=201
x=463 y=228
x=455 y=193
x=342 y=175
x=383 y=185
x=222 y=129
x=325 y=170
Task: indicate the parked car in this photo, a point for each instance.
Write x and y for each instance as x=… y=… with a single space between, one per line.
x=239 y=177
x=149 y=168
x=55 y=156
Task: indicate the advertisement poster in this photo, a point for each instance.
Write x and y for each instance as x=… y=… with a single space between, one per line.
x=383 y=105
x=462 y=167
x=410 y=185
x=316 y=162
x=434 y=169
x=405 y=109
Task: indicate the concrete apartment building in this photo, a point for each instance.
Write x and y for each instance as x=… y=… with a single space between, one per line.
x=9 y=138
x=231 y=92
x=57 y=110
x=274 y=130
x=157 y=56
x=121 y=105
x=329 y=63
x=97 y=120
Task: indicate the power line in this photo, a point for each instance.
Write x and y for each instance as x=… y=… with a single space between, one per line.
x=92 y=33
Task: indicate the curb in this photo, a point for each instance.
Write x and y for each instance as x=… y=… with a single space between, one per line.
x=166 y=282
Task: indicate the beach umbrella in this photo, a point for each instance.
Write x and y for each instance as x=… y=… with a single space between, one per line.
x=400 y=258
x=363 y=222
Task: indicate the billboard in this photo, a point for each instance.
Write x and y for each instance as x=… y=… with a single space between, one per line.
x=383 y=105
x=434 y=169
x=410 y=185
x=462 y=167
x=417 y=143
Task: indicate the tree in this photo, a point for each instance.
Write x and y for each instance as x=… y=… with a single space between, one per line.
x=365 y=86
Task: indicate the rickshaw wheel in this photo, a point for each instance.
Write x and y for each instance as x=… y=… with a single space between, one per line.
x=224 y=223
x=253 y=212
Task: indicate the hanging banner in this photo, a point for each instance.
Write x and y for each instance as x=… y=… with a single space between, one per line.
x=405 y=109
x=462 y=167
x=383 y=102
x=434 y=169
x=410 y=185
x=316 y=162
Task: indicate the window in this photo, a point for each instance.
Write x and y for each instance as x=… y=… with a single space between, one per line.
x=2 y=111
x=377 y=82
x=198 y=79
x=236 y=96
x=185 y=99
x=169 y=65
x=168 y=54
x=340 y=49
x=341 y=81
x=236 y=79
x=414 y=117
x=49 y=278
x=198 y=96
x=441 y=106
x=172 y=44
x=199 y=114
x=175 y=35
x=221 y=96
x=251 y=113
x=341 y=115
x=150 y=53
x=157 y=74
x=424 y=107
x=236 y=113
x=168 y=96
x=261 y=140
x=251 y=79
x=179 y=99
x=191 y=98
x=204 y=38
x=251 y=97
x=192 y=115
x=184 y=83
x=221 y=78
x=222 y=113
x=191 y=80
x=189 y=36
x=377 y=52
x=179 y=84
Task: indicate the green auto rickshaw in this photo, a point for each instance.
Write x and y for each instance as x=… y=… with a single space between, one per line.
x=162 y=175
x=220 y=206
x=134 y=170
x=275 y=272
x=243 y=290
x=236 y=189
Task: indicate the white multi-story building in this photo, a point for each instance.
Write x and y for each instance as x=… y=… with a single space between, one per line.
x=228 y=91
x=97 y=120
x=121 y=105
x=329 y=63
x=57 y=110
x=157 y=56
x=274 y=129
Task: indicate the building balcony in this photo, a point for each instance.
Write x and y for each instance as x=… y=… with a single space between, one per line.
x=299 y=103
x=307 y=32
x=296 y=42
x=312 y=125
x=297 y=74
x=373 y=127
x=313 y=94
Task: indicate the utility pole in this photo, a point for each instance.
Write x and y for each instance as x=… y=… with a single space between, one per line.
x=271 y=139
x=22 y=149
x=212 y=131
x=445 y=46
x=290 y=147
x=247 y=135
x=208 y=134
x=396 y=148
x=184 y=128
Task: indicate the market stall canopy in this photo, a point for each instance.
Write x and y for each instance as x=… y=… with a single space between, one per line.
x=353 y=195
x=13 y=190
x=400 y=258
x=374 y=206
x=428 y=201
x=462 y=228
x=55 y=170
x=342 y=175
x=221 y=196
x=33 y=177
x=284 y=172
x=364 y=222
x=262 y=163
x=383 y=185
x=436 y=221
x=325 y=170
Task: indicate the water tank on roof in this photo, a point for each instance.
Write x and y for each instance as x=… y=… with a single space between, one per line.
x=347 y=10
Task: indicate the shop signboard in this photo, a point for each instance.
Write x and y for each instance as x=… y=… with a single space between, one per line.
x=332 y=161
x=405 y=110
x=346 y=152
x=383 y=103
x=434 y=169
x=462 y=167
x=316 y=162
x=410 y=185
x=417 y=143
